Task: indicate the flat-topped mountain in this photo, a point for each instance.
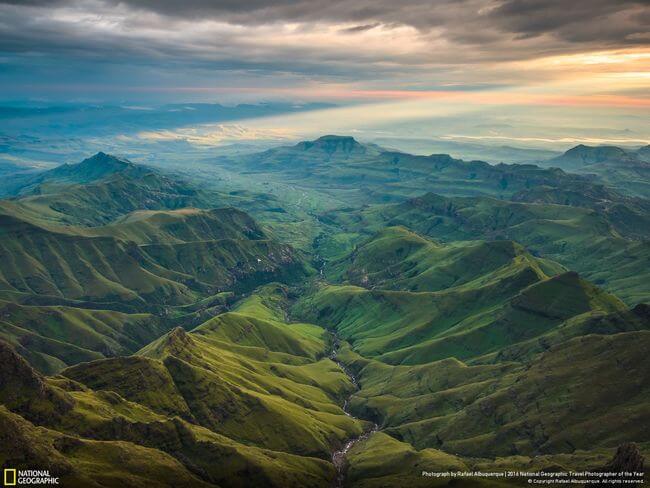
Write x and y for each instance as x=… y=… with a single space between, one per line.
x=582 y=154
x=358 y=173
x=335 y=146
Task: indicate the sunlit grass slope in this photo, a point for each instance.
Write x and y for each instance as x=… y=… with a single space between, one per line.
x=53 y=337
x=581 y=239
x=472 y=298
x=244 y=398
x=507 y=355
x=112 y=267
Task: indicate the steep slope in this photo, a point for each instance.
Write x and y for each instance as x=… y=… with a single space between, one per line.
x=445 y=322
x=87 y=462
x=100 y=189
x=398 y=259
x=554 y=405
x=419 y=301
x=514 y=304
x=227 y=264
x=629 y=216
x=180 y=226
x=42 y=262
x=82 y=293
x=92 y=265
x=628 y=171
x=95 y=168
x=578 y=238
x=101 y=202
x=53 y=337
x=244 y=398
x=79 y=431
x=504 y=362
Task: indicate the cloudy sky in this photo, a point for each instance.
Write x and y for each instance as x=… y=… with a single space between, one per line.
x=580 y=55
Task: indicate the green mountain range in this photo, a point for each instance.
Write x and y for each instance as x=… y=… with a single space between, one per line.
x=325 y=314
x=590 y=240
x=627 y=170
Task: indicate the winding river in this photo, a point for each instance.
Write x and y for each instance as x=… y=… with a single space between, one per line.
x=339 y=457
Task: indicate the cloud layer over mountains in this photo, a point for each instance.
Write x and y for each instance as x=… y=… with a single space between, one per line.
x=413 y=44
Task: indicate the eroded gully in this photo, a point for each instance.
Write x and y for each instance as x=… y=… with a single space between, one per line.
x=339 y=457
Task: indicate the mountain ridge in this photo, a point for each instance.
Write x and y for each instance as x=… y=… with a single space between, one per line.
x=144 y=315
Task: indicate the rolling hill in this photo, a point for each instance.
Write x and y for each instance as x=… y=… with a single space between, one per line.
x=355 y=317
x=244 y=398
x=74 y=293
x=481 y=351
x=627 y=170
x=353 y=173
x=53 y=337
x=579 y=238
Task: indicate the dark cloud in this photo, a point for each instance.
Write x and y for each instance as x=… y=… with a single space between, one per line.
x=574 y=21
x=48 y=48
x=360 y=28
x=435 y=42
x=599 y=23
x=607 y=21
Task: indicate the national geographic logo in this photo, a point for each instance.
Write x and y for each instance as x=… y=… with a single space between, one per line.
x=10 y=477
x=24 y=477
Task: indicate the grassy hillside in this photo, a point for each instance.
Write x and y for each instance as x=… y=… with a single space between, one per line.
x=87 y=430
x=398 y=259
x=43 y=262
x=62 y=262
x=149 y=340
x=579 y=238
x=180 y=226
x=103 y=201
x=245 y=390
x=53 y=337
x=624 y=169
x=517 y=374
x=89 y=170
x=82 y=293
x=99 y=190
x=403 y=327
x=554 y=406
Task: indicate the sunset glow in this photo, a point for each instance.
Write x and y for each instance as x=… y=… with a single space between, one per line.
x=449 y=58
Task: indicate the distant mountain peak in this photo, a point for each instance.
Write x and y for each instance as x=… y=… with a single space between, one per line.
x=103 y=159
x=644 y=153
x=93 y=168
x=96 y=167
x=333 y=144
x=335 y=138
x=594 y=154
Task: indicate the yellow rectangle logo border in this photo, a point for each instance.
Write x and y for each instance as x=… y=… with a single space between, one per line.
x=6 y=477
